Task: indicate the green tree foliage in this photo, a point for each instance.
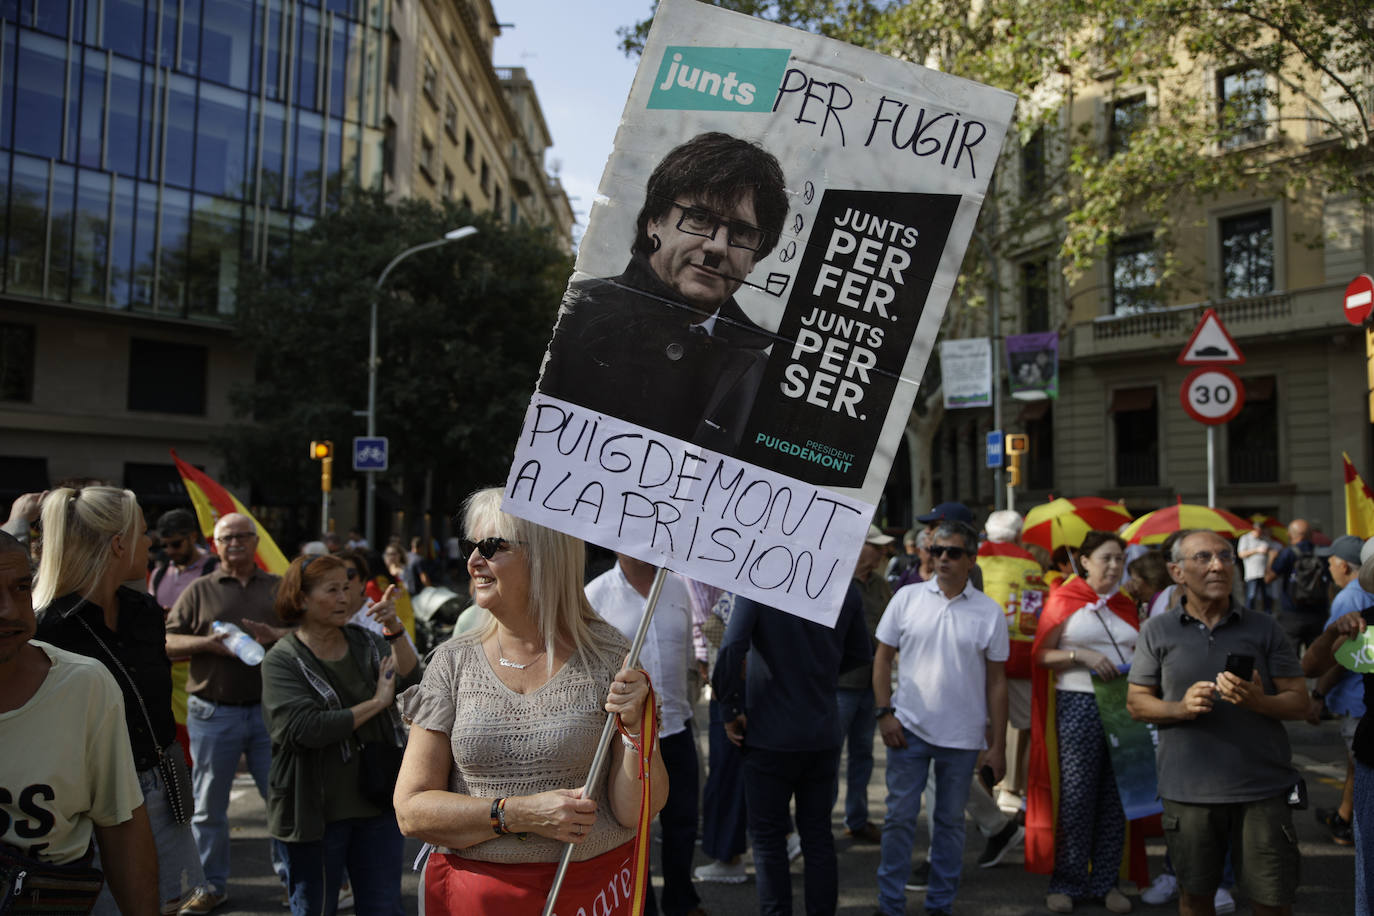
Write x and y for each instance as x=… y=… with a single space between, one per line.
x=1301 y=127
x=462 y=330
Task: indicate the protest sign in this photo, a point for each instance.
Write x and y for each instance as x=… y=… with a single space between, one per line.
x=966 y=372
x=1033 y=365
x=754 y=302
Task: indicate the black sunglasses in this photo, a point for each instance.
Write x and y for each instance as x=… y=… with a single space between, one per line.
x=487 y=547
x=954 y=553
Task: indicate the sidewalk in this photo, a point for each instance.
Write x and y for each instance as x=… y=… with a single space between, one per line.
x=1007 y=890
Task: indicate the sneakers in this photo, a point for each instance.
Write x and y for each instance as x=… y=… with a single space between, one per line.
x=1223 y=902
x=1059 y=903
x=920 y=877
x=1000 y=843
x=1161 y=890
x=1341 y=832
x=868 y=833
x=721 y=873
x=1116 y=902
x=203 y=900
x=793 y=846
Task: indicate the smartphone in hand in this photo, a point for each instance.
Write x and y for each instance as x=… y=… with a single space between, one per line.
x=1241 y=665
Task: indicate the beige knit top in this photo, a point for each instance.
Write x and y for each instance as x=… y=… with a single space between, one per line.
x=506 y=743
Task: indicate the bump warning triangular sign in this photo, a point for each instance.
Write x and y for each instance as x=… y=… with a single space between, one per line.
x=1210 y=344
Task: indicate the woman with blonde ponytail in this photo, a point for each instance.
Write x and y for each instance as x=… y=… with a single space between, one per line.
x=94 y=540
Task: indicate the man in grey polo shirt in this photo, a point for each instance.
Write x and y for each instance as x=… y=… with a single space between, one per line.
x=1225 y=767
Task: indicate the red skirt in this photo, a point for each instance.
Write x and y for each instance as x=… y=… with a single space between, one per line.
x=602 y=886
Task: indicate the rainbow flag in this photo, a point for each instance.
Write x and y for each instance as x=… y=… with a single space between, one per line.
x=212 y=501
x=1359 y=502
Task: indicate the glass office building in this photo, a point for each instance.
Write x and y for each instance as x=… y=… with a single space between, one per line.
x=151 y=148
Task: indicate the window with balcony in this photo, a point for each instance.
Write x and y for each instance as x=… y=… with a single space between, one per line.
x=1128 y=116
x=430 y=85
x=427 y=156
x=1242 y=106
x=1135 y=418
x=451 y=117
x=166 y=377
x=1033 y=165
x=1252 y=438
x=389 y=148
x=484 y=182
x=467 y=150
x=448 y=184
x=1247 y=254
x=496 y=203
x=393 y=59
x=1134 y=274
x=1035 y=296
x=16 y=361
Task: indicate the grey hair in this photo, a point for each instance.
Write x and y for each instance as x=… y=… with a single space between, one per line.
x=1176 y=554
x=923 y=538
x=955 y=529
x=1004 y=526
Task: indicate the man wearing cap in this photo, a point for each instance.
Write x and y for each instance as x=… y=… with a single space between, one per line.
x=1339 y=690
x=854 y=696
x=953 y=512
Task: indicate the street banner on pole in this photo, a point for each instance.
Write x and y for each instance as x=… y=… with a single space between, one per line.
x=1033 y=365
x=966 y=372
x=754 y=302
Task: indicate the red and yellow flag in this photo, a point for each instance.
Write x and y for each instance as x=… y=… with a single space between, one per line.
x=1359 y=502
x=212 y=501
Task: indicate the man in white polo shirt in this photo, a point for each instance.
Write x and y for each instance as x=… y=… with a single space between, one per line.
x=619 y=595
x=951 y=703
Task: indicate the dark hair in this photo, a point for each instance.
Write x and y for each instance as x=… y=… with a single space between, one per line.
x=1095 y=539
x=301 y=576
x=1153 y=568
x=358 y=560
x=1062 y=554
x=715 y=169
x=949 y=528
x=177 y=521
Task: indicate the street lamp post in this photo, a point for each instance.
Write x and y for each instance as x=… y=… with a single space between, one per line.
x=450 y=236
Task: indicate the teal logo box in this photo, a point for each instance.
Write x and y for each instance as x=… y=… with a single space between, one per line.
x=718 y=79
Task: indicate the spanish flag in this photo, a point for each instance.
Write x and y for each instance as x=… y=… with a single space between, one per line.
x=212 y=501
x=1359 y=503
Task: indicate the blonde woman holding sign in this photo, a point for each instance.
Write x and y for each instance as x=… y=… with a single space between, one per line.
x=504 y=727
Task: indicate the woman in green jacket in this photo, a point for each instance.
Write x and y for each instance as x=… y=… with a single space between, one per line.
x=327 y=695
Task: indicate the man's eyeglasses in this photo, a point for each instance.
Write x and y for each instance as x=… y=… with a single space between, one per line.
x=702 y=222
x=954 y=553
x=487 y=547
x=230 y=537
x=1205 y=557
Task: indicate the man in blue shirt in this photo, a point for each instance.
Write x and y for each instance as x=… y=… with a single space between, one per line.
x=776 y=677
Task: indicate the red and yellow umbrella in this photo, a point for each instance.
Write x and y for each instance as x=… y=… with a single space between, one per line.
x=1061 y=522
x=1154 y=527
x=1271 y=527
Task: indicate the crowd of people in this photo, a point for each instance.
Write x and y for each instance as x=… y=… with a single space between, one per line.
x=1002 y=681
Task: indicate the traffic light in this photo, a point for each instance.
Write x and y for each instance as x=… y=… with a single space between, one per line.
x=322 y=450
x=1017 y=445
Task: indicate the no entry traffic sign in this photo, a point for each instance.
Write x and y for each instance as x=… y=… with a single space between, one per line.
x=1359 y=299
x=1212 y=396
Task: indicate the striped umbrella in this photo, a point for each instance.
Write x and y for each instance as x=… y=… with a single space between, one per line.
x=1271 y=527
x=1154 y=527
x=1061 y=522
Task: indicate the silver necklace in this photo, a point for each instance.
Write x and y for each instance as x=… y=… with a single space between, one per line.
x=507 y=663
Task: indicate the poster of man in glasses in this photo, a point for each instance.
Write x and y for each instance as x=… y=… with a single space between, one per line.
x=759 y=287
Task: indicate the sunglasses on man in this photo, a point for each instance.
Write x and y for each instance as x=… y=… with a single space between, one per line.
x=954 y=553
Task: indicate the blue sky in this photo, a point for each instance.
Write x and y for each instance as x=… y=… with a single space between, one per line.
x=570 y=52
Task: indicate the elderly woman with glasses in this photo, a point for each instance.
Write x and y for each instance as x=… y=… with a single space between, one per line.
x=1088 y=630
x=327 y=695
x=504 y=728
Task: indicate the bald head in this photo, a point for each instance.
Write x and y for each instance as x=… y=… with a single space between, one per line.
x=1298 y=531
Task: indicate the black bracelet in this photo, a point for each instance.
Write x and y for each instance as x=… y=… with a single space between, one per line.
x=497 y=826
x=392 y=637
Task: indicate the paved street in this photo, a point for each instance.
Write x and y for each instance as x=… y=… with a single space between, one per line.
x=1008 y=890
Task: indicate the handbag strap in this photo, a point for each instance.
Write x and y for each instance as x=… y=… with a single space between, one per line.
x=152 y=731
x=1097 y=612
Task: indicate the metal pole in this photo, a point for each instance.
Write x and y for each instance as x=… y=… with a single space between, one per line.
x=995 y=335
x=324 y=512
x=371 y=501
x=607 y=733
x=1211 y=467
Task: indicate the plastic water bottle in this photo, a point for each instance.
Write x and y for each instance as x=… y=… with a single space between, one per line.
x=248 y=649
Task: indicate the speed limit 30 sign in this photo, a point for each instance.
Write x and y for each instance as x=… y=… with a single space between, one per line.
x=1212 y=396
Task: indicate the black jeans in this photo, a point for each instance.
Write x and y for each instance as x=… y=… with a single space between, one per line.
x=771 y=779
x=678 y=821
